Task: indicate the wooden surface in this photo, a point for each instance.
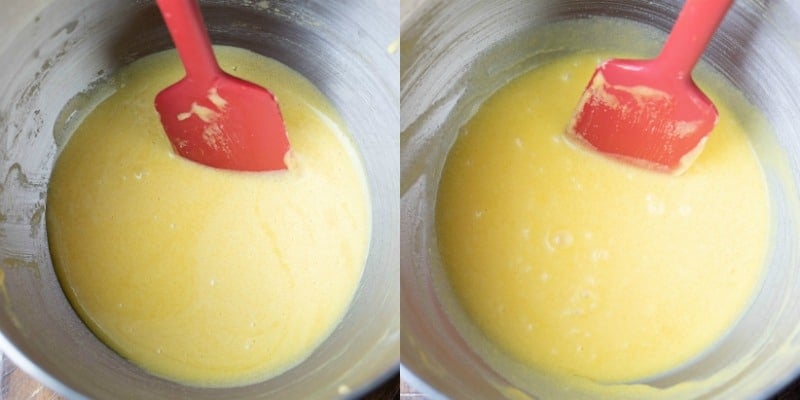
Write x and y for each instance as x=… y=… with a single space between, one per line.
x=17 y=385
x=791 y=392
x=389 y=390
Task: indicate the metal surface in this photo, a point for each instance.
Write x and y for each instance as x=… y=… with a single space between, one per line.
x=15 y=384
x=51 y=51
x=455 y=54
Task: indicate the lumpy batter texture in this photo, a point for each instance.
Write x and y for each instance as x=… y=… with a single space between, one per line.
x=581 y=265
x=206 y=276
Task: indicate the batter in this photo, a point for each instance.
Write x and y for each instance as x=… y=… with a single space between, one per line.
x=580 y=265
x=205 y=276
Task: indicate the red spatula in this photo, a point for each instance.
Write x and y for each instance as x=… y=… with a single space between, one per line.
x=211 y=117
x=650 y=112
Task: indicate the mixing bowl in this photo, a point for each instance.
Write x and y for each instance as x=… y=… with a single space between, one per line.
x=456 y=54
x=53 y=50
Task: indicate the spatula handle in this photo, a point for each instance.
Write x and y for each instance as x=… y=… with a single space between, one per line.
x=185 y=24
x=696 y=24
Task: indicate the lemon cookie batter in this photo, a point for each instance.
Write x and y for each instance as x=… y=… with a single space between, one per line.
x=584 y=266
x=206 y=276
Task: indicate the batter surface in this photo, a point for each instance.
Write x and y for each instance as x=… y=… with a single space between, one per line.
x=584 y=266
x=205 y=276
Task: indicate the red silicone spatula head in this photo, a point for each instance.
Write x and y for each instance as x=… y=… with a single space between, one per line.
x=650 y=112
x=211 y=117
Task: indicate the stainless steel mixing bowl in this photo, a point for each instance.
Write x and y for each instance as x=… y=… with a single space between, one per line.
x=456 y=53
x=52 y=50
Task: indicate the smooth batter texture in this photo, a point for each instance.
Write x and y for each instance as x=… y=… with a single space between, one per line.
x=580 y=265
x=205 y=276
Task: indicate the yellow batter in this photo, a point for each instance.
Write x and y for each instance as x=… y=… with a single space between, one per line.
x=205 y=276
x=584 y=266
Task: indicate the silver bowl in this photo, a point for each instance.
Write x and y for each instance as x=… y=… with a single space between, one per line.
x=455 y=54
x=53 y=50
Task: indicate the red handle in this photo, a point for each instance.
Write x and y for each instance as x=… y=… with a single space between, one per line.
x=697 y=22
x=185 y=24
